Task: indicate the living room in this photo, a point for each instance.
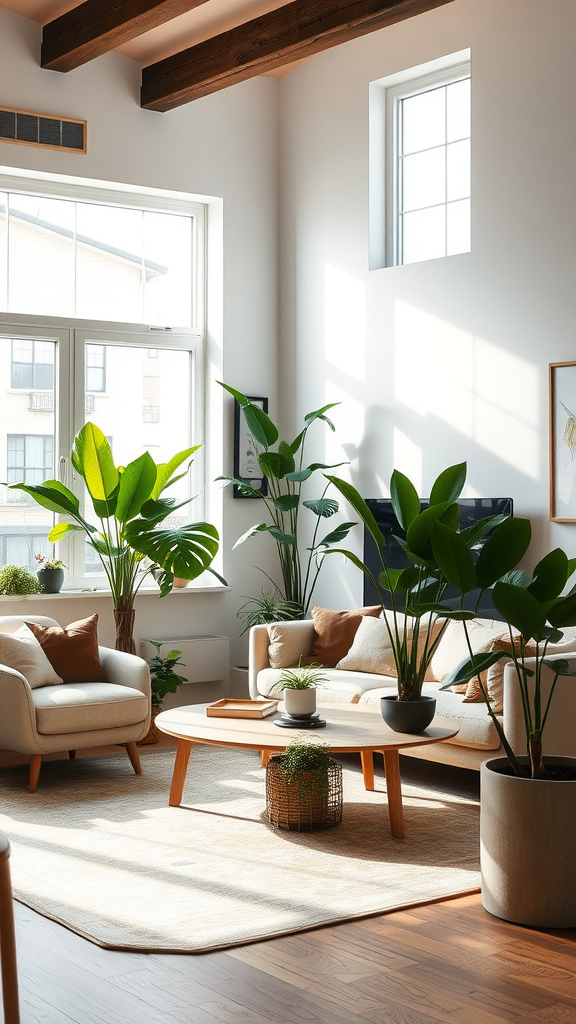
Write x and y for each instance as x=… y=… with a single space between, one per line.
x=434 y=363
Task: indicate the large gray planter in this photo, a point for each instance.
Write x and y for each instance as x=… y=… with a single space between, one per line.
x=528 y=847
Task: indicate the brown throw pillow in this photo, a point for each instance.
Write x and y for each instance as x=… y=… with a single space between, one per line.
x=335 y=632
x=73 y=650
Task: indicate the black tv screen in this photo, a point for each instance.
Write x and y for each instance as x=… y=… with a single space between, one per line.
x=472 y=510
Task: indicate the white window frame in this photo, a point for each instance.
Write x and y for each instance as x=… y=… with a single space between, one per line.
x=71 y=335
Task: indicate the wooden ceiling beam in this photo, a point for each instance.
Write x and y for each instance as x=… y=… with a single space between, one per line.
x=293 y=32
x=93 y=28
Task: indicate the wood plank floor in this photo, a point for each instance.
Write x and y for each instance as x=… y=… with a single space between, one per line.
x=449 y=962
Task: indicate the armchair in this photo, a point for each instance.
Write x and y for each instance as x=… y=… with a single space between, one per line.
x=72 y=716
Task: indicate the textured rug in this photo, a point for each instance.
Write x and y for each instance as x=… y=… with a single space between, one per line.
x=98 y=850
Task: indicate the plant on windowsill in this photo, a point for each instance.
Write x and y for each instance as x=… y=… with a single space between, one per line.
x=16 y=580
x=163 y=680
x=50 y=574
x=129 y=501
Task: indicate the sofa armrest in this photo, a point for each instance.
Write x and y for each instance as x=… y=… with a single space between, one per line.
x=125 y=669
x=18 y=719
x=560 y=731
x=258 y=647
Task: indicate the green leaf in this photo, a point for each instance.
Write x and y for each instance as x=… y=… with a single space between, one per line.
x=349 y=492
x=561 y=666
x=324 y=465
x=51 y=495
x=352 y=558
x=286 y=451
x=287 y=502
x=389 y=579
x=260 y=528
x=472 y=667
x=274 y=466
x=453 y=556
x=260 y=425
x=319 y=414
x=475 y=533
x=299 y=476
x=165 y=470
x=518 y=578
x=95 y=462
x=186 y=550
x=451 y=518
x=448 y=486
x=281 y=537
x=335 y=536
x=549 y=634
x=136 y=484
x=294 y=447
x=244 y=487
x=503 y=550
x=154 y=511
x=61 y=530
x=405 y=500
x=563 y=612
x=458 y=614
x=235 y=394
x=419 y=534
x=520 y=609
x=325 y=507
x=550 y=576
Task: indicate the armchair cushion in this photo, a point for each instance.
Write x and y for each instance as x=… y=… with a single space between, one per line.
x=21 y=651
x=72 y=650
x=83 y=707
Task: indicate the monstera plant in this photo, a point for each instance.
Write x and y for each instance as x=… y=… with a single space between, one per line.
x=130 y=504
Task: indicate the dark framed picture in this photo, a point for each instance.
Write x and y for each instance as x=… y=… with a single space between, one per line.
x=563 y=442
x=247 y=450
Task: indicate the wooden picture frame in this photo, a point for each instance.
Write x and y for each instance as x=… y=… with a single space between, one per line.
x=562 y=437
x=246 y=450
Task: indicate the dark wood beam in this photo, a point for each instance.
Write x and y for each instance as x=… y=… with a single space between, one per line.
x=297 y=30
x=94 y=27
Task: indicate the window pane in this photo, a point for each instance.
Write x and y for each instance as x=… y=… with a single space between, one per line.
x=3 y=242
x=424 y=179
x=424 y=121
x=458 y=111
x=458 y=227
x=95 y=368
x=26 y=454
x=423 y=235
x=109 y=263
x=168 y=269
x=41 y=255
x=458 y=170
x=153 y=414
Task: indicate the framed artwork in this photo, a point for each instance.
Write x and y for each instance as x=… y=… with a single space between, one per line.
x=246 y=451
x=563 y=442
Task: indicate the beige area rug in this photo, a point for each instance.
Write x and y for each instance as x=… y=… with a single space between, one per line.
x=98 y=850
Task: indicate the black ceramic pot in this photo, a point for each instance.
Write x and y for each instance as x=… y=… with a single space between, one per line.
x=50 y=580
x=411 y=716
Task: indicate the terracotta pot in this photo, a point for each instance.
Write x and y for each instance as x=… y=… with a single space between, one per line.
x=180 y=583
x=528 y=846
x=153 y=734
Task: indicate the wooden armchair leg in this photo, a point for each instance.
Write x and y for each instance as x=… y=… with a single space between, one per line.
x=72 y=754
x=35 y=765
x=132 y=751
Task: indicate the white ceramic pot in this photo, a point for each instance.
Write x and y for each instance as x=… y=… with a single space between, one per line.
x=528 y=846
x=300 y=702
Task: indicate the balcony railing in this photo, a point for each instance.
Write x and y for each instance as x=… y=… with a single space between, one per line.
x=42 y=401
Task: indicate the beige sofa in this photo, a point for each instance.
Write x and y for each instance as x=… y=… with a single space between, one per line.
x=477 y=740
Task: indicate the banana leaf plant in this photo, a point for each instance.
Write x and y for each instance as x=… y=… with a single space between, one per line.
x=130 y=504
x=283 y=464
x=416 y=617
x=536 y=612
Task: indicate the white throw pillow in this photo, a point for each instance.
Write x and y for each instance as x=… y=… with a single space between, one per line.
x=21 y=651
x=285 y=646
x=453 y=649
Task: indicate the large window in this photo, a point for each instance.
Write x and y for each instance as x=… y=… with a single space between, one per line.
x=107 y=326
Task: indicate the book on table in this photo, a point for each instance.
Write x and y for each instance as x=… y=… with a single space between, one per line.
x=227 y=708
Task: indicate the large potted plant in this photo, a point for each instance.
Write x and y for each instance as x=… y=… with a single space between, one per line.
x=415 y=617
x=130 y=505
x=528 y=800
x=284 y=466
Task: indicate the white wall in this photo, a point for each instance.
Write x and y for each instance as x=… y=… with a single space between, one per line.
x=223 y=146
x=447 y=360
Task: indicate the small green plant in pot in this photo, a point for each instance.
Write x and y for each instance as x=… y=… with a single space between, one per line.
x=298 y=687
x=304 y=786
x=50 y=573
x=163 y=680
x=14 y=579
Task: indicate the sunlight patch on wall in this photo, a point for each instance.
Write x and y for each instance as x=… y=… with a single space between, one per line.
x=345 y=322
x=408 y=458
x=350 y=420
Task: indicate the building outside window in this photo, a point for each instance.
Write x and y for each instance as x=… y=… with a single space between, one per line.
x=32 y=364
x=95 y=368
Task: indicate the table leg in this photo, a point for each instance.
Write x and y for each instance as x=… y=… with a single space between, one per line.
x=264 y=757
x=367 y=759
x=179 y=776
x=394 y=792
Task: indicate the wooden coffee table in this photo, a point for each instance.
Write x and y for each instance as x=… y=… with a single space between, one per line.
x=350 y=728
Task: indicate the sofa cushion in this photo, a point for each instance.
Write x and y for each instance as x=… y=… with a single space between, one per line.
x=476 y=727
x=342 y=686
x=453 y=649
x=372 y=651
x=72 y=650
x=284 y=645
x=21 y=651
x=84 y=707
x=335 y=632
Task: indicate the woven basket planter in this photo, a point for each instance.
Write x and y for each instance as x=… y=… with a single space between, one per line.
x=309 y=801
x=153 y=734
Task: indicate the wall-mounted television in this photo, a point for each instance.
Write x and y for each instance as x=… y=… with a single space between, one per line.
x=472 y=510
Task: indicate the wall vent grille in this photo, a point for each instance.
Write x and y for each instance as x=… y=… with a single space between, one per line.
x=44 y=130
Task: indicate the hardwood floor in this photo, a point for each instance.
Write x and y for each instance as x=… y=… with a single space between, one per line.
x=449 y=962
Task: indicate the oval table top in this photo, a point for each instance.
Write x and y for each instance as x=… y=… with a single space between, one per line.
x=349 y=727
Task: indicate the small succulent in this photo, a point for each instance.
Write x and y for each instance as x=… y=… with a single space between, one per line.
x=49 y=563
x=14 y=579
x=303 y=677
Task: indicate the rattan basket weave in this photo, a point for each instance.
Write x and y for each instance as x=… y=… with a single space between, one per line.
x=310 y=801
x=153 y=734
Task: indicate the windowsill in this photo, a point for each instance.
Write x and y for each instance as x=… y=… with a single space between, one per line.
x=77 y=595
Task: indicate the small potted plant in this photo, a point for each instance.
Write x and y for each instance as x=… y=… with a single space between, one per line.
x=304 y=786
x=163 y=680
x=14 y=579
x=50 y=574
x=298 y=686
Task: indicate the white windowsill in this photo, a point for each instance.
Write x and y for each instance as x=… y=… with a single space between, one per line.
x=143 y=592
